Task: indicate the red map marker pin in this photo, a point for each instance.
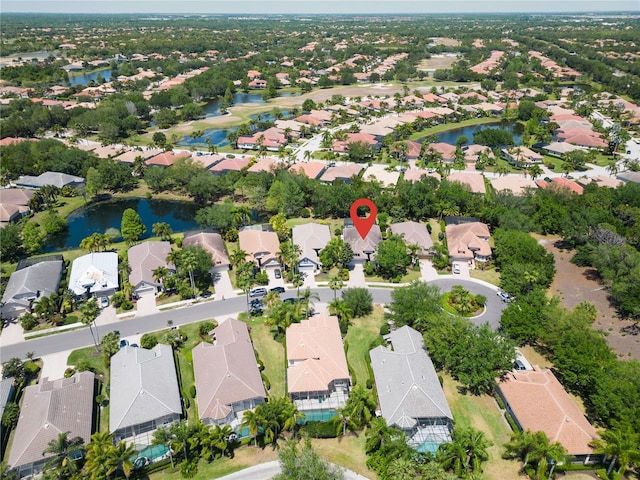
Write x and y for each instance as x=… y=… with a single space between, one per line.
x=363 y=225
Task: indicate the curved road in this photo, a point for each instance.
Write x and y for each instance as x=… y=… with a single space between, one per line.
x=265 y=471
x=221 y=309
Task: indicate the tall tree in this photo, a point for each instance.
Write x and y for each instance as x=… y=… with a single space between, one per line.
x=64 y=449
x=162 y=230
x=621 y=444
x=89 y=311
x=131 y=226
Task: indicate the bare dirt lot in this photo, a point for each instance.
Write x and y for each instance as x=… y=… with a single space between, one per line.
x=575 y=284
x=437 y=61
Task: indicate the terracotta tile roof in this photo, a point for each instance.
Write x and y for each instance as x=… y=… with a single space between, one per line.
x=262 y=247
x=517 y=185
x=264 y=165
x=212 y=243
x=226 y=372
x=447 y=150
x=415 y=174
x=166 y=159
x=231 y=164
x=315 y=354
x=560 y=183
x=465 y=239
x=475 y=181
x=540 y=403
x=342 y=172
x=310 y=169
x=51 y=408
x=16 y=196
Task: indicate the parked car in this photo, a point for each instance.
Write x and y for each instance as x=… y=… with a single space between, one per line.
x=104 y=302
x=277 y=289
x=258 y=292
x=124 y=343
x=456 y=268
x=518 y=365
x=256 y=303
x=277 y=273
x=505 y=297
x=134 y=345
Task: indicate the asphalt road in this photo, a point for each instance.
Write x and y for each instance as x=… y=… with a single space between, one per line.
x=219 y=309
x=265 y=471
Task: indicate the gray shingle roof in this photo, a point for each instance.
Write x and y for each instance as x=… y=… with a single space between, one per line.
x=144 y=386
x=407 y=383
x=25 y=284
x=49 y=178
x=51 y=408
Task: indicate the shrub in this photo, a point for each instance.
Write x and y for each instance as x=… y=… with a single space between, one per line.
x=192 y=391
x=305 y=213
x=265 y=379
x=31 y=368
x=84 y=366
x=316 y=429
x=359 y=300
x=205 y=327
x=369 y=269
x=369 y=384
x=189 y=468
x=29 y=321
x=69 y=372
x=117 y=299
x=262 y=278
x=481 y=300
x=384 y=329
x=127 y=305
x=148 y=341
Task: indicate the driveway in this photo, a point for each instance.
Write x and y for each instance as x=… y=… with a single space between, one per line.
x=146 y=304
x=356 y=276
x=222 y=284
x=428 y=271
x=54 y=365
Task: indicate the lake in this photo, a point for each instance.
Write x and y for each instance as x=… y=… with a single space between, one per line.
x=84 y=78
x=103 y=215
x=451 y=136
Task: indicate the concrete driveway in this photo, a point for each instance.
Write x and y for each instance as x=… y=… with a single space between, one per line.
x=222 y=284
x=356 y=276
x=146 y=304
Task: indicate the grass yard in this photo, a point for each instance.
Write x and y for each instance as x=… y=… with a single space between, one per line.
x=361 y=333
x=408 y=278
x=482 y=413
x=347 y=451
x=89 y=355
x=271 y=353
x=490 y=275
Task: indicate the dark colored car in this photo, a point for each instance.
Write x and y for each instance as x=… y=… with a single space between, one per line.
x=277 y=273
x=124 y=343
x=278 y=289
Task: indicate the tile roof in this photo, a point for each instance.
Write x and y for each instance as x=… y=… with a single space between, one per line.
x=49 y=178
x=315 y=354
x=362 y=246
x=416 y=174
x=342 y=172
x=413 y=233
x=465 y=239
x=517 y=185
x=231 y=164
x=406 y=380
x=166 y=159
x=16 y=196
x=144 y=386
x=540 y=403
x=311 y=169
x=144 y=258
x=562 y=183
x=311 y=238
x=51 y=408
x=475 y=181
x=212 y=243
x=387 y=178
x=226 y=372
x=259 y=245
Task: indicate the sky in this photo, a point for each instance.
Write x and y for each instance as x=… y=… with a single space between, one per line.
x=317 y=6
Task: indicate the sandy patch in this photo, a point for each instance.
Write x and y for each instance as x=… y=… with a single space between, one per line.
x=436 y=62
x=575 y=284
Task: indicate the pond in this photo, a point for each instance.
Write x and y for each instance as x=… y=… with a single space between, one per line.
x=451 y=136
x=103 y=215
x=212 y=108
x=84 y=78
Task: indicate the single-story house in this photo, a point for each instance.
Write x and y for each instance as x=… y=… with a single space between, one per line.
x=144 y=394
x=56 y=179
x=562 y=183
x=444 y=151
x=166 y=159
x=144 y=258
x=521 y=156
x=234 y=385
x=30 y=283
x=312 y=170
x=212 y=243
x=95 y=274
x=341 y=172
x=234 y=164
x=49 y=409
x=468 y=242
x=317 y=373
x=272 y=139
x=380 y=173
x=559 y=149
x=516 y=185
x=364 y=249
x=311 y=238
x=537 y=401
x=261 y=247
x=414 y=233
x=14 y=204
x=7 y=395
x=409 y=392
x=474 y=181
x=416 y=174
x=342 y=146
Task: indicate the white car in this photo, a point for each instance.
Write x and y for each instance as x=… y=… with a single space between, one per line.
x=456 y=268
x=104 y=302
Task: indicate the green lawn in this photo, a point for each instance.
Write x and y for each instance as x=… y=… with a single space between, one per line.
x=481 y=412
x=271 y=353
x=361 y=333
x=490 y=275
x=409 y=277
x=88 y=354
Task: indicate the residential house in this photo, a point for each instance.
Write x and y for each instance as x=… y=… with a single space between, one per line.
x=342 y=146
x=414 y=233
x=364 y=249
x=49 y=409
x=516 y=185
x=14 y=204
x=234 y=164
x=474 y=181
x=537 y=401
x=212 y=243
x=166 y=159
x=417 y=174
x=409 y=392
x=521 y=156
x=144 y=258
x=56 y=179
x=311 y=238
x=29 y=283
x=410 y=150
x=341 y=172
x=272 y=139
x=318 y=378
x=227 y=376
x=261 y=247
x=94 y=274
x=562 y=183
x=144 y=393
x=444 y=151
x=7 y=395
x=559 y=149
x=312 y=170
x=468 y=242
x=380 y=173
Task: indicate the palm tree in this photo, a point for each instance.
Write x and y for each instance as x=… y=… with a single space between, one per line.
x=162 y=230
x=307 y=297
x=120 y=456
x=360 y=405
x=162 y=436
x=378 y=434
x=289 y=254
x=217 y=439
x=475 y=444
x=401 y=468
x=189 y=263
x=98 y=451
x=237 y=257
x=252 y=420
x=289 y=414
x=535 y=171
x=160 y=273
x=88 y=313
x=63 y=449
x=335 y=284
x=452 y=456
x=621 y=444
x=341 y=309
x=241 y=215
x=521 y=445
